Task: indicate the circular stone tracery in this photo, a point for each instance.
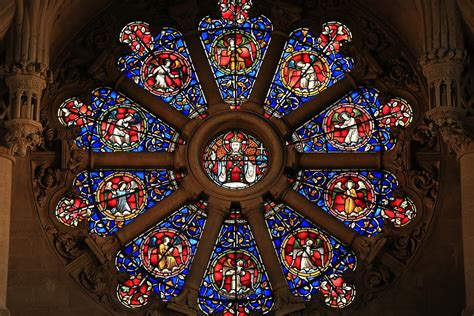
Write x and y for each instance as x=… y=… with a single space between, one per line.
x=235 y=160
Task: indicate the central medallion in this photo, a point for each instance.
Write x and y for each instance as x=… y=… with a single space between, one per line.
x=235 y=160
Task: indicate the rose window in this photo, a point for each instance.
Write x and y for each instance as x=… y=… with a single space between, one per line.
x=226 y=198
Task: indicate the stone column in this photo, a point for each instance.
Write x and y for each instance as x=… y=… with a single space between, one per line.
x=457 y=134
x=6 y=166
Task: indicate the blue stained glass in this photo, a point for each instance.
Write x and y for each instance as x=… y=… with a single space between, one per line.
x=235 y=282
x=308 y=65
x=116 y=197
x=163 y=254
x=112 y=122
x=361 y=199
x=163 y=66
x=308 y=255
x=235 y=50
x=357 y=122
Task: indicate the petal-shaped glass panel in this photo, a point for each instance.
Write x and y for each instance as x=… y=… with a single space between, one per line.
x=235 y=282
x=307 y=66
x=113 y=122
x=235 y=46
x=162 y=255
x=110 y=199
x=163 y=66
x=357 y=122
x=310 y=258
x=362 y=199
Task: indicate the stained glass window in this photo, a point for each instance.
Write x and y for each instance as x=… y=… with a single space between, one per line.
x=162 y=65
x=235 y=45
x=160 y=258
x=362 y=199
x=110 y=199
x=307 y=66
x=235 y=282
x=156 y=213
x=357 y=122
x=112 y=122
x=235 y=160
x=311 y=259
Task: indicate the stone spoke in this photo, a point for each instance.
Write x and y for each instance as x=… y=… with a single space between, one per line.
x=366 y=248
x=268 y=68
x=134 y=160
x=285 y=301
x=339 y=161
x=319 y=103
x=187 y=300
x=203 y=70
x=150 y=102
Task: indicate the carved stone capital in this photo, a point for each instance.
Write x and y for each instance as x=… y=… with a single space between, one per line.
x=449 y=62
x=367 y=248
x=105 y=248
x=186 y=302
x=23 y=72
x=448 y=123
x=286 y=302
x=23 y=135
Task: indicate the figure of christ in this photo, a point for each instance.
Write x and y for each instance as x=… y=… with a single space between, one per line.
x=234 y=170
x=121 y=194
x=161 y=256
x=234 y=275
x=349 y=122
x=309 y=263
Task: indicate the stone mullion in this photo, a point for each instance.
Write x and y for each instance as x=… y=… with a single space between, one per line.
x=134 y=160
x=203 y=69
x=285 y=301
x=366 y=248
x=340 y=160
x=186 y=302
x=316 y=105
x=6 y=169
x=268 y=68
x=151 y=102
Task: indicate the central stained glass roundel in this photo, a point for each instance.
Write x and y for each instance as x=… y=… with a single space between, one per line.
x=235 y=160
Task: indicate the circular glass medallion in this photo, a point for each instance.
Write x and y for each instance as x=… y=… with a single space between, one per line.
x=121 y=196
x=165 y=252
x=350 y=196
x=235 y=53
x=305 y=73
x=348 y=126
x=165 y=73
x=306 y=252
x=236 y=274
x=122 y=128
x=235 y=160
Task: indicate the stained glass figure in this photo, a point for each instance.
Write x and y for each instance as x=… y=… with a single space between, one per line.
x=134 y=292
x=361 y=199
x=307 y=66
x=112 y=122
x=235 y=45
x=235 y=160
x=311 y=259
x=163 y=66
x=110 y=199
x=163 y=254
x=72 y=210
x=235 y=282
x=357 y=122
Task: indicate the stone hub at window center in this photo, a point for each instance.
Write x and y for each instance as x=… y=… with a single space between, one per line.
x=235 y=160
